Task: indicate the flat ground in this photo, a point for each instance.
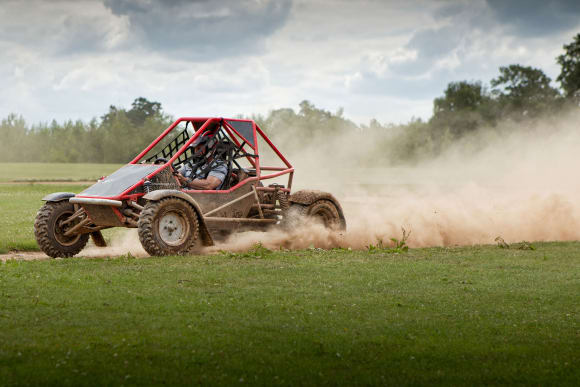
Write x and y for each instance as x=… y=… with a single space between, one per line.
x=49 y=172
x=461 y=316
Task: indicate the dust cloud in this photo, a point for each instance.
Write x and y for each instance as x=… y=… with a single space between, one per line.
x=123 y=242
x=516 y=181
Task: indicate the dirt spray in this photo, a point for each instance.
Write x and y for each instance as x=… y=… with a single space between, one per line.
x=520 y=182
x=516 y=181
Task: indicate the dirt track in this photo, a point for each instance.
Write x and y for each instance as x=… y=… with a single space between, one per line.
x=24 y=255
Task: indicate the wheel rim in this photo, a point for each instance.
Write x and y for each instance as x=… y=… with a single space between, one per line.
x=173 y=228
x=59 y=230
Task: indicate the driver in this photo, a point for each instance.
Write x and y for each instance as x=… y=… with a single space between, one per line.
x=210 y=172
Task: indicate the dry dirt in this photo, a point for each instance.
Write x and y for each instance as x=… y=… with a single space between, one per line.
x=24 y=255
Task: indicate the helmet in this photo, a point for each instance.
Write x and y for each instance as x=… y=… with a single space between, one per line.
x=206 y=139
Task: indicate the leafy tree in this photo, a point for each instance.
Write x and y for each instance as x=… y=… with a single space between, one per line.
x=464 y=107
x=460 y=96
x=286 y=124
x=142 y=109
x=14 y=134
x=106 y=119
x=524 y=89
x=569 y=77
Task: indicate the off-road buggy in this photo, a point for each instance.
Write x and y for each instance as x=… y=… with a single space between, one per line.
x=146 y=194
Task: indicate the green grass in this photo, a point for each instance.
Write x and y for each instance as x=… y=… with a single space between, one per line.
x=461 y=316
x=10 y=172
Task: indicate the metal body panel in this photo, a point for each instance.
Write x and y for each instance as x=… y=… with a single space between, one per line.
x=120 y=180
x=210 y=201
x=102 y=215
x=245 y=128
x=99 y=202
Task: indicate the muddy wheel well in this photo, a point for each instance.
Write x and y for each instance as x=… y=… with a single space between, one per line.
x=308 y=197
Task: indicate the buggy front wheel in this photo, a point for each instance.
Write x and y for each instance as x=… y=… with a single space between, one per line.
x=51 y=224
x=168 y=227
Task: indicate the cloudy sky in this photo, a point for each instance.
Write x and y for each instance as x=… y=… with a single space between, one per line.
x=383 y=59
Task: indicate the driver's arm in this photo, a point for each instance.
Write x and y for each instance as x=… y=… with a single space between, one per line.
x=210 y=183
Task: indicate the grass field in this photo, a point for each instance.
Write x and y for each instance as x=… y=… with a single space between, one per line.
x=440 y=316
x=29 y=172
x=461 y=316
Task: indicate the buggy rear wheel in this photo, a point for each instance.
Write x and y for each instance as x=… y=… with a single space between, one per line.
x=168 y=227
x=50 y=226
x=322 y=211
x=325 y=211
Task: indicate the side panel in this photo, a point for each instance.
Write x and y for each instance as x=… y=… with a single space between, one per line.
x=210 y=201
x=102 y=215
x=245 y=128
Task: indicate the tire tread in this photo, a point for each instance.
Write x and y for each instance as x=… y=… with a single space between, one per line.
x=43 y=236
x=146 y=230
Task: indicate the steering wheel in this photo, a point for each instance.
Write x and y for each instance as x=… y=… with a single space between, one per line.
x=160 y=160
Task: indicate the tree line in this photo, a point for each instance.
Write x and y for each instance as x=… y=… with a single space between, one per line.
x=114 y=138
x=518 y=94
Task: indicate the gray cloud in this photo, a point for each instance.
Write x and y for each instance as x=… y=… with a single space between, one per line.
x=455 y=22
x=413 y=89
x=58 y=28
x=197 y=29
x=465 y=26
x=385 y=59
x=430 y=46
x=78 y=36
x=536 y=18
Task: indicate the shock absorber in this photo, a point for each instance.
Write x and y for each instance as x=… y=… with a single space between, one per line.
x=147 y=186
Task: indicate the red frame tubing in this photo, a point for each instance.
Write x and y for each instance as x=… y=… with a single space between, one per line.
x=256 y=152
x=234 y=135
x=175 y=156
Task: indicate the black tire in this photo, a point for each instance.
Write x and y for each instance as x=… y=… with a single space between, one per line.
x=326 y=211
x=168 y=227
x=49 y=232
x=323 y=210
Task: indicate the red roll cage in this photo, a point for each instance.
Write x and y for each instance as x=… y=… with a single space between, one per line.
x=228 y=124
